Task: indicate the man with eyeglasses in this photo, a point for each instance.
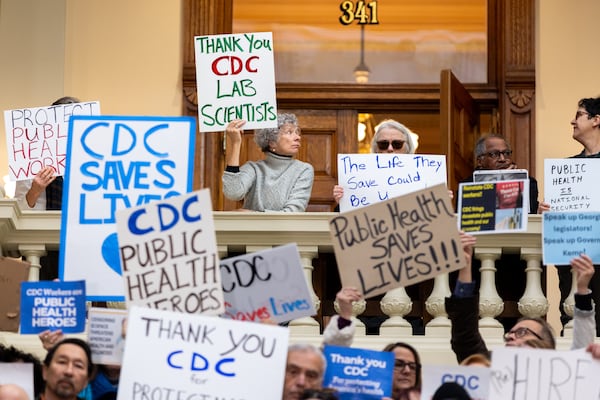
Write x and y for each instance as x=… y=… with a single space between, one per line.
x=304 y=370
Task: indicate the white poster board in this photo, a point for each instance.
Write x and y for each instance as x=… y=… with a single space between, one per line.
x=184 y=356
x=20 y=374
x=235 y=76
x=266 y=285
x=371 y=178
x=107 y=328
x=475 y=380
x=571 y=184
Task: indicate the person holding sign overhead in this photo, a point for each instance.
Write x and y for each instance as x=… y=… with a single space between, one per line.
x=277 y=183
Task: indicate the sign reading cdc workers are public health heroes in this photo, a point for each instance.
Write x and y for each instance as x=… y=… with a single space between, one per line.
x=114 y=163
x=398 y=242
x=235 y=75
x=169 y=255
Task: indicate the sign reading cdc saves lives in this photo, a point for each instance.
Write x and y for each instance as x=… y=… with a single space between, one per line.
x=115 y=163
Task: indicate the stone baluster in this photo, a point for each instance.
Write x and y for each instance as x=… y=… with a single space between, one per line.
x=33 y=253
x=440 y=324
x=307 y=325
x=490 y=303
x=533 y=303
x=569 y=303
x=396 y=304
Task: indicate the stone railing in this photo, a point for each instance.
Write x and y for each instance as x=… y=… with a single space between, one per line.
x=30 y=233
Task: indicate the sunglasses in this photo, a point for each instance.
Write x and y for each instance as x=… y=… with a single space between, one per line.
x=385 y=144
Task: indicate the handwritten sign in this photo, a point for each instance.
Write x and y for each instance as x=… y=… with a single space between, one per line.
x=520 y=373
x=52 y=305
x=169 y=255
x=475 y=380
x=359 y=374
x=567 y=235
x=493 y=207
x=371 y=178
x=571 y=184
x=106 y=335
x=12 y=273
x=37 y=137
x=20 y=374
x=184 y=356
x=268 y=284
x=235 y=75
x=398 y=242
x=115 y=163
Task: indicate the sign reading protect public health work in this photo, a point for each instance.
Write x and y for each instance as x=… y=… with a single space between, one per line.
x=235 y=76
x=182 y=356
x=571 y=184
x=398 y=242
x=169 y=255
x=37 y=137
x=114 y=163
x=371 y=178
x=567 y=235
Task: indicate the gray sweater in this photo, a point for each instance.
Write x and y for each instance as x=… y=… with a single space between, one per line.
x=277 y=183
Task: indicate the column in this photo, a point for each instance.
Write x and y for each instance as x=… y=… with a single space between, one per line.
x=396 y=304
x=440 y=324
x=307 y=325
x=32 y=253
x=490 y=303
x=533 y=303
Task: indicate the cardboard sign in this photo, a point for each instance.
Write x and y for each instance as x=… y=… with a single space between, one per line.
x=567 y=235
x=37 y=137
x=371 y=178
x=524 y=374
x=20 y=374
x=268 y=284
x=359 y=374
x=475 y=380
x=571 y=184
x=52 y=305
x=115 y=163
x=169 y=255
x=398 y=242
x=106 y=335
x=235 y=75
x=12 y=274
x=184 y=356
x=493 y=207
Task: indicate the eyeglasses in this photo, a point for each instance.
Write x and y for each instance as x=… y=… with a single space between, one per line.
x=496 y=154
x=580 y=113
x=385 y=144
x=520 y=332
x=401 y=364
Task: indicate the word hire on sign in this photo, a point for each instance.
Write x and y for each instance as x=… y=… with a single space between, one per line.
x=371 y=178
x=398 y=242
x=235 y=75
x=169 y=255
x=571 y=184
x=182 y=356
x=566 y=235
x=268 y=284
x=116 y=162
x=52 y=305
x=37 y=137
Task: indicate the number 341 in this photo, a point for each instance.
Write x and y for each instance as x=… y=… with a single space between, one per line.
x=365 y=13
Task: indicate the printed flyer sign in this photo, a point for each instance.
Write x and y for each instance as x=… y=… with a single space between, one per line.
x=268 y=284
x=52 y=305
x=571 y=184
x=184 y=356
x=475 y=380
x=37 y=137
x=371 y=178
x=116 y=162
x=235 y=75
x=106 y=335
x=169 y=255
x=567 y=235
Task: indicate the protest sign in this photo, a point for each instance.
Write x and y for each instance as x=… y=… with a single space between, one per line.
x=52 y=305
x=184 y=356
x=475 y=380
x=12 y=273
x=235 y=76
x=359 y=374
x=571 y=184
x=20 y=374
x=169 y=255
x=490 y=175
x=398 y=242
x=493 y=207
x=106 y=335
x=37 y=137
x=524 y=374
x=371 y=178
x=116 y=162
x=568 y=234
x=268 y=284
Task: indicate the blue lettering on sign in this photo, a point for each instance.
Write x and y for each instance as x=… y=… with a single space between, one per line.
x=166 y=221
x=200 y=363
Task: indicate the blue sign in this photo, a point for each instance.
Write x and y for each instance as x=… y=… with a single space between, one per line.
x=566 y=235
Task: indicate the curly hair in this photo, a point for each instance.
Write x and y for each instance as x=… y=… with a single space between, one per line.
x=263 y=137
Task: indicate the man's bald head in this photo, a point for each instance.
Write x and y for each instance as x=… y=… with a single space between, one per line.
x=10 y=391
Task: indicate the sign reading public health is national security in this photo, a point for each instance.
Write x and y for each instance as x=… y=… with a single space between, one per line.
x=113 y=163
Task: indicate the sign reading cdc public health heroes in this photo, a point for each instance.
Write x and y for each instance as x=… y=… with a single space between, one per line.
x=114 y=163
x=235 y=75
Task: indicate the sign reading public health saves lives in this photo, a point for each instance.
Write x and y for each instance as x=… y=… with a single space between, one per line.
x=235 y=75
x=114 y=163
x=52 y=305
